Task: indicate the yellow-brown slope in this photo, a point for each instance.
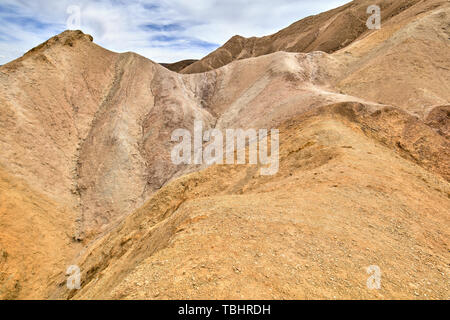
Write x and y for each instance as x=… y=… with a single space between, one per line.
x=406 y=63
x=36 y=240
x=343 y=200
x=328 y=32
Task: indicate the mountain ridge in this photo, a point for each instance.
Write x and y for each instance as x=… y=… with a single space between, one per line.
x=364 y=170
x=328 y=32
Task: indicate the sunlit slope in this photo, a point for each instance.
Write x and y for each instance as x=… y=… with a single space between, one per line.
x=328 y=32
x=36 y=240
x=343 y=200
x=87 y=177
x=406 y=63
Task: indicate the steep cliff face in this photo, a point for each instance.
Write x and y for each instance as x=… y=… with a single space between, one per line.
x=87 y=177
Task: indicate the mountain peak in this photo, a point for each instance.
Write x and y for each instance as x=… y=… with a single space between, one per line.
x=67 y=38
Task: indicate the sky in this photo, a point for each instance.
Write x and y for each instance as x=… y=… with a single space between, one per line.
x=161 y=30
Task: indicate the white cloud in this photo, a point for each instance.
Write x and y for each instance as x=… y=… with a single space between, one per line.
x=162 y=30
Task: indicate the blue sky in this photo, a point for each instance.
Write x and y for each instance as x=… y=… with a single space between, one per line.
x=161 y=30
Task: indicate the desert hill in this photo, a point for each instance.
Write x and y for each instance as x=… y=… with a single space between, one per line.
x=410 y=50
x=36 y=240
x=364 y=171
x=327 y=32
x=178 y=66
x=338 y=205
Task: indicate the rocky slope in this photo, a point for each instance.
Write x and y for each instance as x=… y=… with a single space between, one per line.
x=364 y=173
x=178 y=66
x=339 y=204
x=410 y=50
x=36 y=240
x=327 y=32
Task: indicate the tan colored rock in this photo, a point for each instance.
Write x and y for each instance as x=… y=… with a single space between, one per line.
x=178 y=66
x=341 y=202
x=328 y=32
x=87 y=179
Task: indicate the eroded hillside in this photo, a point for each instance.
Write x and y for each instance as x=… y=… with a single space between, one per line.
x=87 y=177
x=327 y=32
x=343 y=200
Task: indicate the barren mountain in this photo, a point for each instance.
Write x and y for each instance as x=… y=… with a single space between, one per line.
x=178 y=66
x=327 y=32
x=339 y=204
x=87 y=177
x=35 y=239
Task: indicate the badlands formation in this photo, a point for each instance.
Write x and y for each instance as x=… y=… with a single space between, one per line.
x=86 y=176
